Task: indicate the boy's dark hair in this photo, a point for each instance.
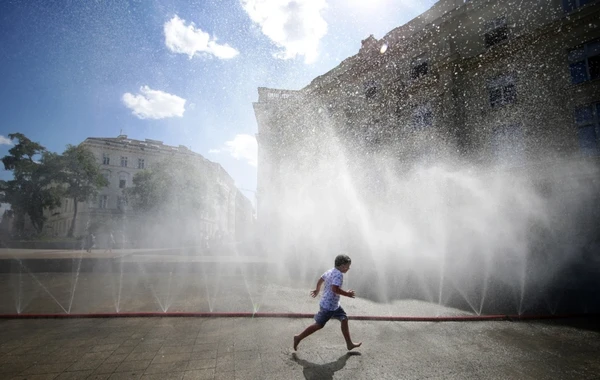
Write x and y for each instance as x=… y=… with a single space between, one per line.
x=342 y=259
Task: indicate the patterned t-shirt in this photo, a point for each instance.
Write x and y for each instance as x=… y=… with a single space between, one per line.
x=330 y=300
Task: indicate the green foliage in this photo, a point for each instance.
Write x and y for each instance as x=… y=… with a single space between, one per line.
x=173 y=185
x=41 y=179
x=31 y=189
x=80 y=175
x=21 y=156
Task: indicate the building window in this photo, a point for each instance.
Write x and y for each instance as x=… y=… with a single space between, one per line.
x=123 y=180
x=571 y=5
x=584 y=62
x=124 y=161
x=419 y=67
x=141 y=163
x=105 y=159
x=496 y=32
x=508 y=144
x=587 y=120
x=103 y=201
x=502 y=90
x=422 y=116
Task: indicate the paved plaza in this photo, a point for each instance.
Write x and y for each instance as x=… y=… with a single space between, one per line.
x=260 y=348
x=253 y=348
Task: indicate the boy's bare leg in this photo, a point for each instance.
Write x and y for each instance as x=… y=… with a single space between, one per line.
x=346 y=332
x=309 y=330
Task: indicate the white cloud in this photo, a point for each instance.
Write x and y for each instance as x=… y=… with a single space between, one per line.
x=294 y=25
x=5 y=140
x=242 y=147
x=189 y=40
x=154 y=104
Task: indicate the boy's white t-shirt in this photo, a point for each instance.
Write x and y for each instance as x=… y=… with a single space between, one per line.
x=330 y=300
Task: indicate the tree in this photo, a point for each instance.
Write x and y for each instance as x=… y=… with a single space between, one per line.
x=81 y=176
x=168 y=201
x=32 y=188
x=171 y=185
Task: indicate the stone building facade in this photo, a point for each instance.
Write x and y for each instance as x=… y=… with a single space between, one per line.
x=120 y=159
x=506 y=83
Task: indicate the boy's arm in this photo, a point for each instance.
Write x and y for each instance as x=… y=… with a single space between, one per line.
x=315 y=292
x=337 y=290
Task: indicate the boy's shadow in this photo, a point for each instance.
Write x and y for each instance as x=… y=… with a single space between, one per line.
x=314 y=371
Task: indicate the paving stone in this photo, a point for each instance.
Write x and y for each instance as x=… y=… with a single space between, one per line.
x=83 y=365
x=224 y=375
x=48 y=376
x=129 y=366
x=199 y=374
x=247 y=365
x=77 y=375
x=287 y=375
x=125 y=376
x=154 y=347
x=203 y=355
x=105 y=347
x=171 y=358
x=116 y=358
x=141 y=356
x=37 y=369
x=17 y=359
x=201 y=364
x=175 y=349
x=179 y=366
x=391 y=350
x=106 y=368
x=163 y=376
x=246 y=355
x=103 y=376
x=96 y=355
x=199 y=347
x=174 y=342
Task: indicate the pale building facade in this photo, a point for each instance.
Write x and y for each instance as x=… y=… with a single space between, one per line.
x=120 y=159
x=510 y=83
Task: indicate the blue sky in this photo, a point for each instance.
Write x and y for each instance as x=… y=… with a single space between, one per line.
x=184 y=72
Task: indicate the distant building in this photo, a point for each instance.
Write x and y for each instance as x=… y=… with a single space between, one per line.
x=244 y=218
x=120 y=159
x=510 y=83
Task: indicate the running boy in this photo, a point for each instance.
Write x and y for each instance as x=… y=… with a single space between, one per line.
x=330 y=302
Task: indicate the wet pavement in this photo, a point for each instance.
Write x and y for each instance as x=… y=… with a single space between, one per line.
x=260 y=348
x=257 y=348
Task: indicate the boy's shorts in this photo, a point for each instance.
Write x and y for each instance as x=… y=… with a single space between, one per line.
x=325 y=315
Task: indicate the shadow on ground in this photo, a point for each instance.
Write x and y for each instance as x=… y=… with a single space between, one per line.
x=312 y=371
